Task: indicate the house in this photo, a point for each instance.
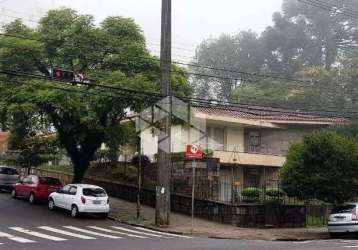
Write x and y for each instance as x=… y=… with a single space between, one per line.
x=250 y=144
x=4 y=140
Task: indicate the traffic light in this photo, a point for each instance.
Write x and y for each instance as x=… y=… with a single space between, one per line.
x=63 y=75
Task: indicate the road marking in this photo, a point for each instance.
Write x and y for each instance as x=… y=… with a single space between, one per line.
x=163 y=233
x=37 y=234
x=351 y=246
x=92 y=233
x=15 y=238
x=116 y=232
x=137 y=232
x=59 y=231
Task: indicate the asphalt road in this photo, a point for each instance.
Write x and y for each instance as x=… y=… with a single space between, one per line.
x=33 y=227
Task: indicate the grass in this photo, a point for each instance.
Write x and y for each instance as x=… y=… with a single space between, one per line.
x=62 y=169
x=313 y=221
x=118 y=173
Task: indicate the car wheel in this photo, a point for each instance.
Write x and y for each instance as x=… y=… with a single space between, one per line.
x=104 y=215
x=32 y=198
x=51 y=205
x=13 y=194
x=74 y=211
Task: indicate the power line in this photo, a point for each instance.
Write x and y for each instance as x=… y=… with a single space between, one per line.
x=215 y=103
x=330 y=8
x=243 y=73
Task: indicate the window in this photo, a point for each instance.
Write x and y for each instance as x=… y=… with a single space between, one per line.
x=72 y=191
x=49 y=181
x=216 y=138
x=343 y=209
x=254 y=141
x=26 y=180
x=66 y=189
x=95 y=192
x=8 y=171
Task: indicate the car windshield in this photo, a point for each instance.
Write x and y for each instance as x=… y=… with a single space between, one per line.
x=95 y=192
x=343 y=209
x=49 y=181
x=8 y=171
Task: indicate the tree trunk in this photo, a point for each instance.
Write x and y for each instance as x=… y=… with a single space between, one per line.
x=79 y=168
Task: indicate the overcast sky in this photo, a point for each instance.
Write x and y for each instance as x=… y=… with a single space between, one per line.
x=193 y=20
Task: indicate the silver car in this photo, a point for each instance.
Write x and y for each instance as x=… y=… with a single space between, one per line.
x=8 y=177
x=343 y=219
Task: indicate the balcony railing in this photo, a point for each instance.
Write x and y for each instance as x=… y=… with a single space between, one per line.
x=253 y=159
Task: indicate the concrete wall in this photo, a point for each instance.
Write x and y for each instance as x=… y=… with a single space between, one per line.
x=278 y=141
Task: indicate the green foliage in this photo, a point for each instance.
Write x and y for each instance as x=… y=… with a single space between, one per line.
x=112 y=53
x=274 y=192
x=33 y=151
x=301 y=37
x=251 y=194
x=323 y=167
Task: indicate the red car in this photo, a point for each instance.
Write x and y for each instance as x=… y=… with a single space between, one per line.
x=35 y=188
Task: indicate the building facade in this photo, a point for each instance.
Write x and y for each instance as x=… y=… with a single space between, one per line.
x=250 y=144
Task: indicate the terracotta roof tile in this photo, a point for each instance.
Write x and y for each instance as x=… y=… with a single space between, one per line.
x=268 y=114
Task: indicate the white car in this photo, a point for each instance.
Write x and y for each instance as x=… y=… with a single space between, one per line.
x=80 y=199
x=343 y=219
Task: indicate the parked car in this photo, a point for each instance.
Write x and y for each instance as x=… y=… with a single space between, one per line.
x=8 y=177
x=81 y=199
x=343 y=219
x=35 y=188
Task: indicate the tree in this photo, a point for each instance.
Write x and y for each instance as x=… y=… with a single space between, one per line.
x=113 y=53
x=238 y=52
x=330 y=31
x=323 y=167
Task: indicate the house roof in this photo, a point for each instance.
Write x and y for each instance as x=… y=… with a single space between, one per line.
x=274 y=115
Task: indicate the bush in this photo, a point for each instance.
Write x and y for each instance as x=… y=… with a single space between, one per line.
x=274 y=192
x=323 y=167
x=251 y=194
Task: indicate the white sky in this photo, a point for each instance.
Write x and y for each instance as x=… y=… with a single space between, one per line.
x=193 y=20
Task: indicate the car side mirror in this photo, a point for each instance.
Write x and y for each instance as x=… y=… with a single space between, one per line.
x=60 y=191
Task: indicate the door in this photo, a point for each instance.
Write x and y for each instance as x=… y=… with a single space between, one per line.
x=60 y=196
x=225 y=188
x=30 y=185
x=69 y=197
x=20 y=188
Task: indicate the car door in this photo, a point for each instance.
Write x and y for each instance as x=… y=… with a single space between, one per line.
x=21 y=187
x=30 y=185
x=60 y=196
x=70 y=197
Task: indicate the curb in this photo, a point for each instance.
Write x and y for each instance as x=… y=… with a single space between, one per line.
x=213 y=236
x=148 y=227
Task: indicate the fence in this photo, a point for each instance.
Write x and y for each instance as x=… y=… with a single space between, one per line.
x=317 y=215
x=246 y=215
x=238 y=194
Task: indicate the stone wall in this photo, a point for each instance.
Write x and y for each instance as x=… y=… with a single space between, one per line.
x=239 y=215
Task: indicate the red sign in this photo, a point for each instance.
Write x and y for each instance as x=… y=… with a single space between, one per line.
x=193 y=152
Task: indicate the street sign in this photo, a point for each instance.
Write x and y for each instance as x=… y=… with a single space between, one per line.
x=193 y=152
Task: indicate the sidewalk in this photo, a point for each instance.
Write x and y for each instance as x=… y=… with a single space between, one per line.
x=125 y=211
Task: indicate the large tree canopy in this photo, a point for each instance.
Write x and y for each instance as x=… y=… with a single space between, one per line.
x=113 y=53
x=323 y=167
x=301 y=37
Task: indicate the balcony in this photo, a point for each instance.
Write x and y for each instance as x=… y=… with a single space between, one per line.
x=253 y=159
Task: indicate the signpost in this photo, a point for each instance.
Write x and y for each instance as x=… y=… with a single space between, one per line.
x=193 y=152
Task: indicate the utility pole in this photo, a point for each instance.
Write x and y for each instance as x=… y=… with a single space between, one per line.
x=162 y=209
